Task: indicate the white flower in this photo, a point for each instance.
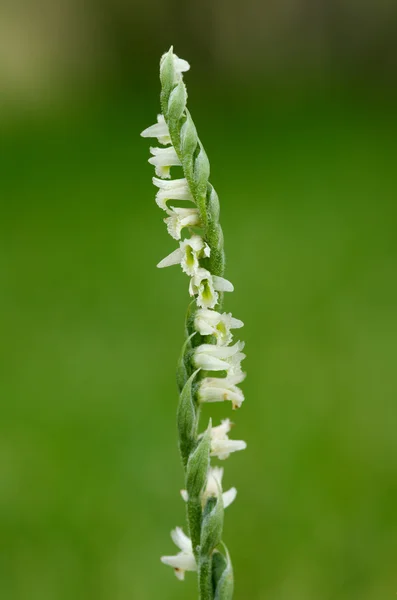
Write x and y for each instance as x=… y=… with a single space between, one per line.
x=221 y=446
x=180 y=66
x=218 y=358
x=211 y=322
x=179 y=218
x=206 y=286
x=187 y=255
x=184 y=560
x=214 y=484
x=176 y=189
x=163 y=159
x=159 y=130
x=219 y=389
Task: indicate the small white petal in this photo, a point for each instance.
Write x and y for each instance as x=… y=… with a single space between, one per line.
x=181 y=540
x=220 y=432
x=223 y=448
x=222 y=285
x=229 y=497
x=235 y=323
x=180 y=574
x=172 y=259
x=159 y=131
x=185 y=495
x=181 y=65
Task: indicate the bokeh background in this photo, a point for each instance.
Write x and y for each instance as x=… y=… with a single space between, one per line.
x=295 y=102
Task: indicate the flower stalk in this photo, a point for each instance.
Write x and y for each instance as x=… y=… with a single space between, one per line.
x=209 y=369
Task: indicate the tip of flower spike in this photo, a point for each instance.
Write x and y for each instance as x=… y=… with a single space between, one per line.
x=181 y=64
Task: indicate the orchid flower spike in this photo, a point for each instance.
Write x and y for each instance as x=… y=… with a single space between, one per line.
x=193 y=221
x=180 y=65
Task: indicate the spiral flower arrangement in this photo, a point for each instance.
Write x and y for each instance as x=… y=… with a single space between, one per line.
x=209 y=369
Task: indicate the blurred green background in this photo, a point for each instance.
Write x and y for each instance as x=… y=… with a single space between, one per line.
x=296 y=107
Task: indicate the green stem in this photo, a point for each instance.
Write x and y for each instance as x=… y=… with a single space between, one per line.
x=205 y=578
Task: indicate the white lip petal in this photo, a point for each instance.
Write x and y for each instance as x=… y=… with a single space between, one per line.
x=182 y=561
